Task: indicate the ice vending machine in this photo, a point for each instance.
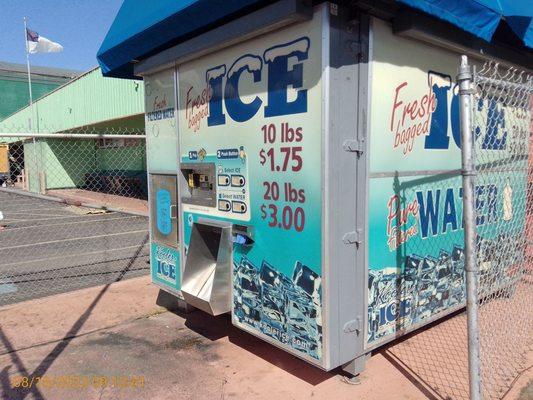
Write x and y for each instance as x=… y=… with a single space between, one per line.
x=304 y=177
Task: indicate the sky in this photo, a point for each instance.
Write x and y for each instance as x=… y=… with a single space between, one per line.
x=78 y=25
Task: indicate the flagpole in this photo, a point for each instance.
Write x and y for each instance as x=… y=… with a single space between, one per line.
x=29 y=72
x=31 y=106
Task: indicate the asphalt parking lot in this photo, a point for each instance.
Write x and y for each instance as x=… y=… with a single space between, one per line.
x=49 y=247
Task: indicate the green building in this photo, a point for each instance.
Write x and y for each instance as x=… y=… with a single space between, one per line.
x=87 y=104
x=14 y=84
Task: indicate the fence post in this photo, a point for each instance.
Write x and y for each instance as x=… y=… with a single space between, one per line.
x=469 y=217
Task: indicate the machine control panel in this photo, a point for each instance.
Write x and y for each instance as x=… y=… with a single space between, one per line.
x=217 y=185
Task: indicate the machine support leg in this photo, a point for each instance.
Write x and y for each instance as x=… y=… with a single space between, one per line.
x=354 y=368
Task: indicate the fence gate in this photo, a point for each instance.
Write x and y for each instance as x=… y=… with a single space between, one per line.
x=73 y=211
x=496 y=118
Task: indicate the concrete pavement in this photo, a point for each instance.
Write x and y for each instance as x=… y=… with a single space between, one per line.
x=116 y=338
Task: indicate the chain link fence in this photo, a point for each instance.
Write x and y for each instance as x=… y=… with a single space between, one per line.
x=73 y=210
x=501 y=127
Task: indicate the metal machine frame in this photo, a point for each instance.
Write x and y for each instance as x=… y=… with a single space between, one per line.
x=345 y=98
x=346 y=84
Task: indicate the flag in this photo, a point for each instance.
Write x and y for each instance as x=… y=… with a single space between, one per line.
x=40 y=44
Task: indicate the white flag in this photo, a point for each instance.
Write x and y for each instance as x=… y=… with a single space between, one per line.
x=40 y=44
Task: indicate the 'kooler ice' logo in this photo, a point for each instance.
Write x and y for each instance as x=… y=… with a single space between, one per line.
x=221 y=96
x=166 y=261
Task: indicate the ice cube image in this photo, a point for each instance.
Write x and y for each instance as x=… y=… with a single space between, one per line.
x=246 y=291
x=424 y=313
x=274 y=286
x=457 y=282
x=412 y=266
x=373 y=323
x=486 y=260
x=428 y=270
x=373 y=310
x=304 y=317
x=457 y=292
x=302 y=327
x=444 y=263
x=457 y=261
x=392 y=297
x=443 y=275
x=307 y=280
x=302 y=313
x=410 y=276
x=303 y=344
x=373 y=287
x=427 y=290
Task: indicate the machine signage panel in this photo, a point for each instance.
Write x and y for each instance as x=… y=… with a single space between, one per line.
x=416 y=260
x=250 y=125
x=165 y=267
x=160 y=121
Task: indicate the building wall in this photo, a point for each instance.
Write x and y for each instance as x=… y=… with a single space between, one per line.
x=85 y=101
x=15 y=94
x=88 y=104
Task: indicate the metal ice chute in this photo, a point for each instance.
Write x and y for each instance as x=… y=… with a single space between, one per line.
x=206 y=281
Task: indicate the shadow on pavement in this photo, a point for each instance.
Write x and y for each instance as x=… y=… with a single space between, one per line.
x=215 y=328
x=20 y=393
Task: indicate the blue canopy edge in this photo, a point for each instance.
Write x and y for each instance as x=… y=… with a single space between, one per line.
x=142 y=28
x=482 y=17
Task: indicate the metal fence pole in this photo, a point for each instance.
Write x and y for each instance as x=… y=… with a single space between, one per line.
x=469 y=216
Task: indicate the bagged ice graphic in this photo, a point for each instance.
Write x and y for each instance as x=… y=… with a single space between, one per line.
x=373 y=309
x=391 y=299
x=412 y=266
x=427 y=288
x=246 y=293
x=284 y=309
x=443 y=275
x=304 y=319
x=274 y=286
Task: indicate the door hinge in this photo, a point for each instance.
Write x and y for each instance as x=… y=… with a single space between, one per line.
x=354 y=325
x=354 y=237
x=354 y=146
x=355 y=47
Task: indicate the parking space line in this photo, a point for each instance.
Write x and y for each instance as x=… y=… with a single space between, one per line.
x=27 y=213
x=46 y=219
x=71 y=223
x=73 y=239
x=7 y=203
x=32 y=210
x=72 y=255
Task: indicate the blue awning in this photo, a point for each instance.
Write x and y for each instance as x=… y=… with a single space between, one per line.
x=142 y=28
x=482 y=17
